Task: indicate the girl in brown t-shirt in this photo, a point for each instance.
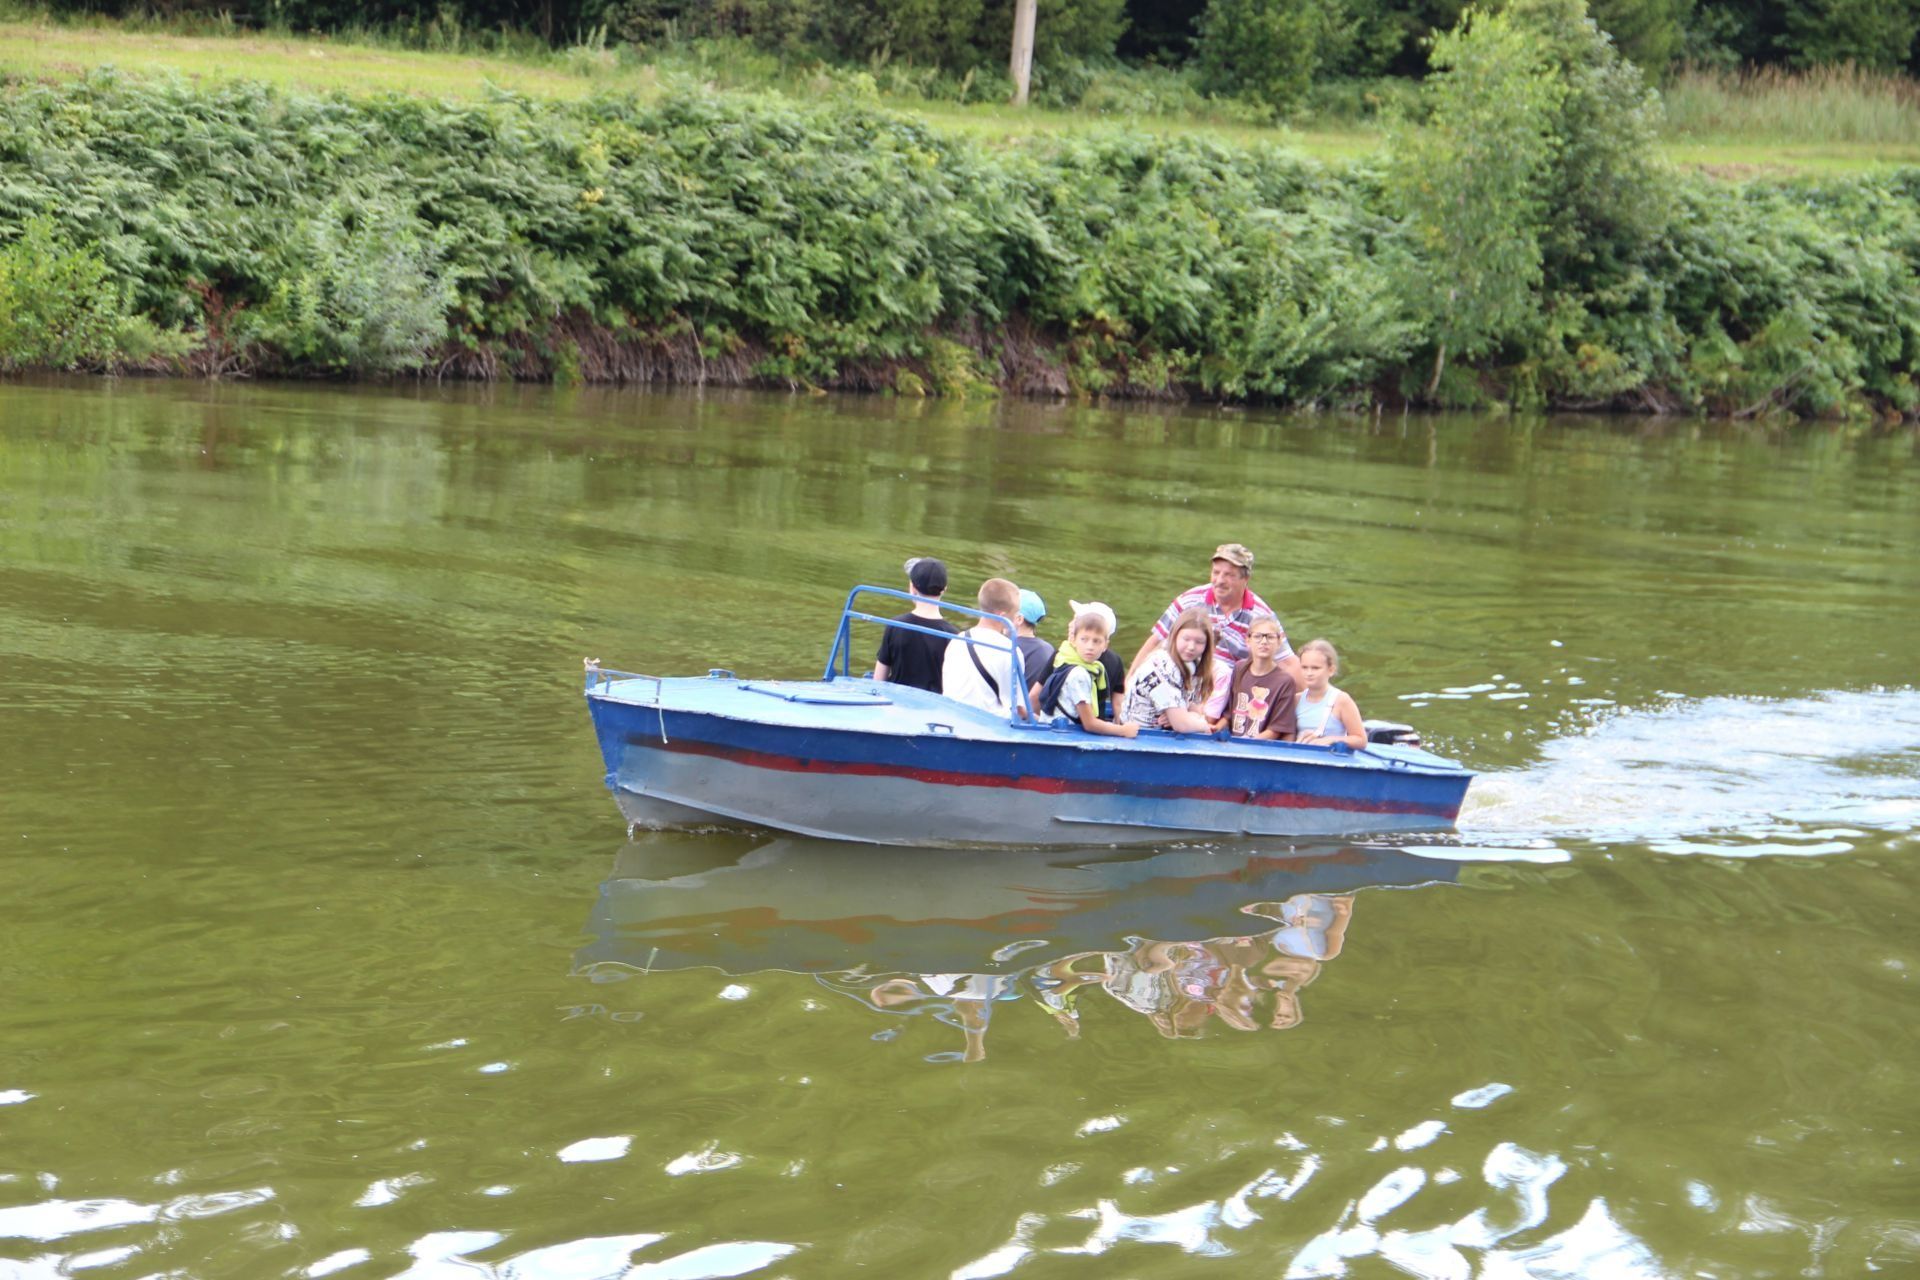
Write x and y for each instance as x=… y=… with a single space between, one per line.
x=1262 y=698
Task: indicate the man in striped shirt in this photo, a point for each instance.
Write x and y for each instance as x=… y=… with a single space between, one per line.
x=1232 y=606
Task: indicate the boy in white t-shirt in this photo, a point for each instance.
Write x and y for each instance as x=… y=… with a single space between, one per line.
x=1079 y=696
x=984 y=675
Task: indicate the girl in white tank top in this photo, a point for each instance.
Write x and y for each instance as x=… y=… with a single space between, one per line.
x=1326 y=714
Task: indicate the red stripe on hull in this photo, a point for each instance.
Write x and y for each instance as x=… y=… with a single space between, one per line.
x=1045 y=786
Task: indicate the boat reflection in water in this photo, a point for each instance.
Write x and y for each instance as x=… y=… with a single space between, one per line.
x=1187 y=937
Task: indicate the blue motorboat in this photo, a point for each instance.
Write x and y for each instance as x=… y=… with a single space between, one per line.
x=849 y=758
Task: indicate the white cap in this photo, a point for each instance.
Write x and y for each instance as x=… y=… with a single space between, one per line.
x=1113 y=623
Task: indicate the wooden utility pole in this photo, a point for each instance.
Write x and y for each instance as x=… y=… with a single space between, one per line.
x=1021 y=64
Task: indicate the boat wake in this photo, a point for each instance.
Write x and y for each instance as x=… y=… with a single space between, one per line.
x=1729 y=776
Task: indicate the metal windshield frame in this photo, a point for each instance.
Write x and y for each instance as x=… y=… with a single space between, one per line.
x=842 y=652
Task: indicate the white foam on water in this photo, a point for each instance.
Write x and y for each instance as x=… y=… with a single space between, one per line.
x=97 y=1258
x=338 y=1261
x=714 y=1261
x=593 y=1150
x=1725 y=776
x=58 y=1219
x=706 y=1160
x=1421 y=1135
x=385 y=1191
x=1485 y=1096
x=593 y=1256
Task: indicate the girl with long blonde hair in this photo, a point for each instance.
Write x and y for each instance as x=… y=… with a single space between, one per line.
x=1171 y=689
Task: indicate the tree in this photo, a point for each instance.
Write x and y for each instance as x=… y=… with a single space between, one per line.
x=1161 y=30
x=1020 y=65
x=1874 y=33
x=1469 y=184
x=1073 y=29
x=1269 y=50
x=1649 y=32
x=1604 y=198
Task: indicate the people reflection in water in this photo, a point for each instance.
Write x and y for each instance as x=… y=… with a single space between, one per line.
x=963 y=1000
x=1247 y=982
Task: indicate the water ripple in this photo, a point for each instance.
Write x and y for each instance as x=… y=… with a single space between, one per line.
x=1499 y=1238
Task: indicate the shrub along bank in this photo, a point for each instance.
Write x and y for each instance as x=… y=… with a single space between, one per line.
x=739 y=239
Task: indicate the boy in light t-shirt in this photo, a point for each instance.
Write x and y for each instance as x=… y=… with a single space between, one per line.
x=985 y=675
x=1079 y=699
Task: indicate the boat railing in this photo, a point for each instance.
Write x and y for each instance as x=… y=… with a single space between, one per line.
x=842 y=653
x=599 y=677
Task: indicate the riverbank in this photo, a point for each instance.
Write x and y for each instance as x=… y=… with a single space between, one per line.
x=698 y=237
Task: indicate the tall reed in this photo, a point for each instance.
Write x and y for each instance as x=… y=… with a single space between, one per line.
x=1842 y=103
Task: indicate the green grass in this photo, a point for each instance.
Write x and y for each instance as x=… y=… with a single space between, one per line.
x=1835 y=121
x=42 y=50
x=1734 y=158
x=999 y=123
x=48 y=51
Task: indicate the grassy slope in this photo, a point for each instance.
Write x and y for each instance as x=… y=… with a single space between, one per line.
x=41 y=51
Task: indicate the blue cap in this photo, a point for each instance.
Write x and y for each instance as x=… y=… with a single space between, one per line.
x=1032 y=607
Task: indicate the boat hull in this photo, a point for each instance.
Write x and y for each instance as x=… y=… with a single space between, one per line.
x=870 y=764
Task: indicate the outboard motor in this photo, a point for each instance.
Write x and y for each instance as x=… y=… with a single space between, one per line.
x=1390 y=732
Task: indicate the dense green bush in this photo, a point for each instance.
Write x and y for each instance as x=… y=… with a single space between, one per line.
x=727 y=236
x=357 y=288
x=59 y=305
x=1797 y=296
x=1237 y=271
x=1270 y=50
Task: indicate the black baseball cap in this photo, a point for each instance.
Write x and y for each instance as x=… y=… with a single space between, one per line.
x=928 y=576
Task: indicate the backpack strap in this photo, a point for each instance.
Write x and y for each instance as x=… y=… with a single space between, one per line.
x=973 y=651
x=1051 y=690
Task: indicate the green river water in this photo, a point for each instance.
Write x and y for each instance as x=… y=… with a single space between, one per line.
x=323 y=950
